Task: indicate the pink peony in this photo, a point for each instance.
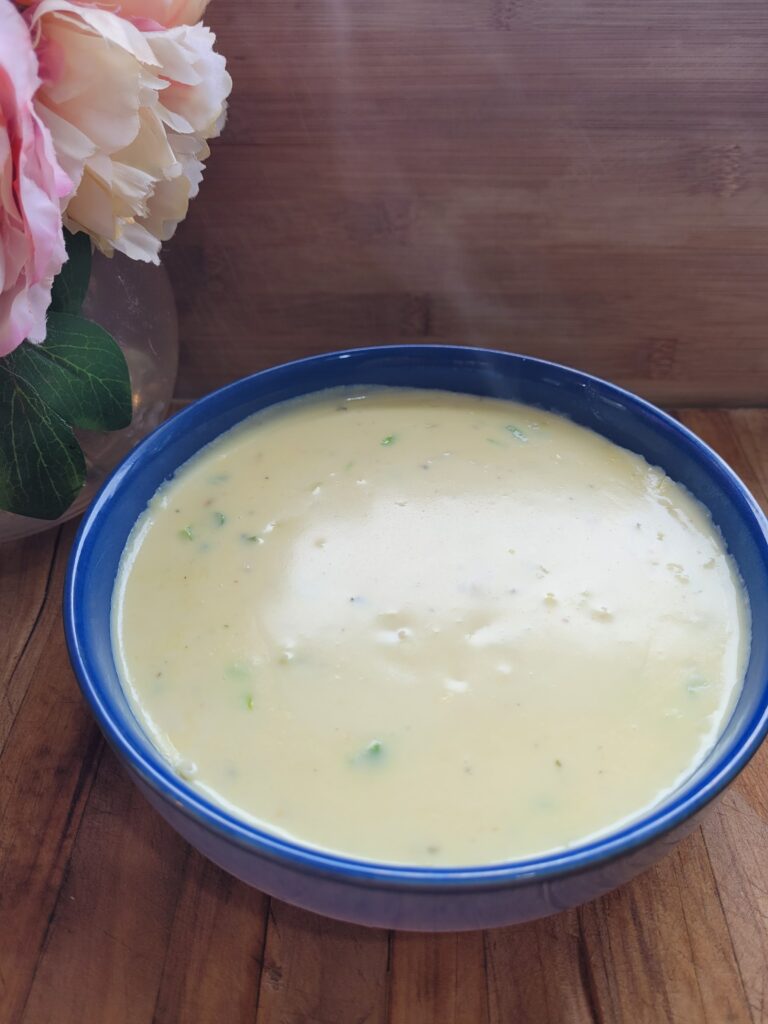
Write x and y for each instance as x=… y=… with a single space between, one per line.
x=31 y=184
x=165 y=13
x=150 y=13
x=130 y=106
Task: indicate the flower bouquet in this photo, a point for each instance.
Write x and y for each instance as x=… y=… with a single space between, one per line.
x=106 y=110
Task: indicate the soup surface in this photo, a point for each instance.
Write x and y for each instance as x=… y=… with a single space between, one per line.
x=428 y=628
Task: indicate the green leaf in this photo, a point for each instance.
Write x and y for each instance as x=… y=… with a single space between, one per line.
x=42 y=467
x=77 y=378
x=79 y=371
x=71 y=284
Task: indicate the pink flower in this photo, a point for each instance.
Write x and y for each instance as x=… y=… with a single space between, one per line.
x=165 y=13
x=130 y=106
x=31 y=184
x=150 y=13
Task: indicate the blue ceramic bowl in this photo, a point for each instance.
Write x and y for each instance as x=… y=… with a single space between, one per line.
x=379 y=894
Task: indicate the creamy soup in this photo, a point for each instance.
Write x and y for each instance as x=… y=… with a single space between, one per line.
x=428 y=628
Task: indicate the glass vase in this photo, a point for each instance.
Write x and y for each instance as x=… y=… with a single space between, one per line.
x=134 y=302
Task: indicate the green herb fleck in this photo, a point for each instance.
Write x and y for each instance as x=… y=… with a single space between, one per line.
x=249 y=702
x=388 y=440
x=187 y=533
x=516 y=432
x=558 y=762
x=349 y=466
x=219 y=518
x=373 y=752
x=252 y=538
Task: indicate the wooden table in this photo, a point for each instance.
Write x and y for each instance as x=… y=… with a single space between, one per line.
x=108 y=917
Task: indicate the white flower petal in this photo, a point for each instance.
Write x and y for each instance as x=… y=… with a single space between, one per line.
x=108 y=26
x=130 y=109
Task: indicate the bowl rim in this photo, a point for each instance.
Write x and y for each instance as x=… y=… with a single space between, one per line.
x=154 y=772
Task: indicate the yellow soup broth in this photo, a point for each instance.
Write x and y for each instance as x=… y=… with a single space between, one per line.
x=428 y=628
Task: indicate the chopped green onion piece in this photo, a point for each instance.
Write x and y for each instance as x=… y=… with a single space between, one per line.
x=252 y=538
x=516 y=432
x=249 y=702
x=219 y=518
x=374 y=748
x=187 y=533
x=388 y=440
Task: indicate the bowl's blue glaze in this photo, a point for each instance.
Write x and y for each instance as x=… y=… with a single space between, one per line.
x=378 y=894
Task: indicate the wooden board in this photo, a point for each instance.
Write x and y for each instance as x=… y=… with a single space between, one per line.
x=108 y=917
x=585 y=180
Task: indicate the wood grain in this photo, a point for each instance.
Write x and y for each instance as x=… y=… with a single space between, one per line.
x=46 y=770
x=541 y=972
x=585 y=180
x=108 y=917
x=212 y=969
x=26 y=571
x=114 y=910
x=346 y=983
x=675 y=962
x=438 y=978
